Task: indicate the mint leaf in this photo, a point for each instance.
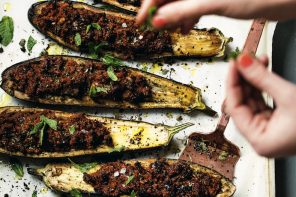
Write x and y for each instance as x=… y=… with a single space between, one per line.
x=96 y=26
x=41 y=134
x=234 y=54
x=31 y=43
x=75 y=193
x=50 y=122
x=94 y=90
x=72 y=129
x=133 y=194
x=6 y=30
x=36 y=128
x=111 y=74
x=111 y=61
x=34 y=194
x=129 y=179
x=85 y=167
x=223 y=156
x=77 y=39
x=93 y=25
x=117 y=149
x=17 y=167
x=88 y=28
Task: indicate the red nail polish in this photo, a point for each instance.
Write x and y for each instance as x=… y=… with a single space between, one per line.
x=159 y=22
x=245 y=60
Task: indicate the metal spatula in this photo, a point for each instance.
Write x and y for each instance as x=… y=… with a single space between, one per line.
x=214 y=150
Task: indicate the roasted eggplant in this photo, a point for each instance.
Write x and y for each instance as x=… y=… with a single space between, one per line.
x=66 y=80
x=131 y=6
x=40 y=133
x=82 y=27
x=148 y=177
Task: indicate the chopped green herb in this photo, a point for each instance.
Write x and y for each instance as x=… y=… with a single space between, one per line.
x=95 y=49
x=201 y=146
x=234 y=54
x=117 y=149
x=111 y=74
x=165 y=71
x=39 y=127
x=96 y=26
x=50 y=122
x=17 y=167
x=133 y=194
x=85 y=167
x=77 y=39
x=111 y=61
x=72 y=129
x=129 y=179
x=88 y=28
x=94 y=90
x=6 y=30
x=75 y=193
x=31 y=43
x=151 y=12
x=34 y=194
x=223 y=156
x=93 y=25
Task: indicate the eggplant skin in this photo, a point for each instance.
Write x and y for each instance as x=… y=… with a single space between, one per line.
x=64 y=177
x=198 y=43
x=123 y=134
x=166 y=94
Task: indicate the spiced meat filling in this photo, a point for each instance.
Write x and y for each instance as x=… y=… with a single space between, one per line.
x=160 y=179
x=37 y=132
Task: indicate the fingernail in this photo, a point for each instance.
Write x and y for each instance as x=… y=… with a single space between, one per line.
x=159 y=22
x=245 y=60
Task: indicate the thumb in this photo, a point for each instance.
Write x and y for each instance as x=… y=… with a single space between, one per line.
x=256 y=73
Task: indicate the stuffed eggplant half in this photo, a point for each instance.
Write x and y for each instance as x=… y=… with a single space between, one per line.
x=43 y=133
x=66 y=80
x=131 y=6
x=85 y=28
x=158 y=178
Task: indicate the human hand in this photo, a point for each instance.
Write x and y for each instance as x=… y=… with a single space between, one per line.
x=185 y=13
x=272 y=133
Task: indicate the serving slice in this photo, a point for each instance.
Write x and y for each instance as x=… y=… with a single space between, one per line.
x=148 y=177
x=85 y=28
x=66 y=80
x=41 y=133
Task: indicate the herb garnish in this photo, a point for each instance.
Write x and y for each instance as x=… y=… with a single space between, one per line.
x=133 y=194
x=95 y=49
x=39 y=127
x=31 y=43
x=72 y=129
x=117 y=149
x=111 y=74
x=34 y=194
x=94 y=26
x=148 y=23
x=129 y=179
x=234 y=54
x=223 y=156
x=75 y=193
x=17 y=167
x=77 y=39
x=94 y=90
x=85 y=167
x=6 y=30
x=111 y=61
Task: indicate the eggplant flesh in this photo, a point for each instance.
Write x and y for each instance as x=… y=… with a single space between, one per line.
x=65 y=177
x=137 y=43
x=126 y=135
x=165 y=93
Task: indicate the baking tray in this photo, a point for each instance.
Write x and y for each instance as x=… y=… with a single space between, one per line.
x=254 y=174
